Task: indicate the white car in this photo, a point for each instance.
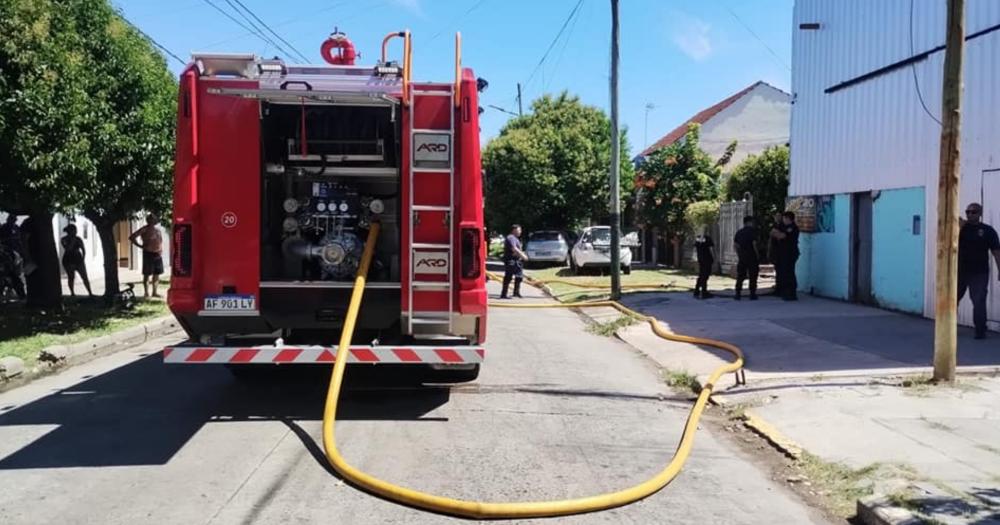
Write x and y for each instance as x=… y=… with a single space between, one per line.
x=594 y=250
x=547 y=246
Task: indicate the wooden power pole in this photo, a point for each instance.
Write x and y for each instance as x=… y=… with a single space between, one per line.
x=520 y=107
x=945 y=312
x=616 y=213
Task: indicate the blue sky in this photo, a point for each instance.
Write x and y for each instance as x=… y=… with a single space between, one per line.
x=680 y=55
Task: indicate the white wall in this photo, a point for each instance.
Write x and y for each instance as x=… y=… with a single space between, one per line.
x=757 y=121
x=875 y=134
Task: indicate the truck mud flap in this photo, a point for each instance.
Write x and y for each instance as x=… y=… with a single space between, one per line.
x=417 y=355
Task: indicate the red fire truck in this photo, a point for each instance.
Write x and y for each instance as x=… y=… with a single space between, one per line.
x=280 y=170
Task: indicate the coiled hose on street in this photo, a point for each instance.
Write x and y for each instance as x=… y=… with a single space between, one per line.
x=530 y=509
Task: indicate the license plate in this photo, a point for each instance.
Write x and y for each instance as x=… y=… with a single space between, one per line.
x=230 y=302
x=542 y=254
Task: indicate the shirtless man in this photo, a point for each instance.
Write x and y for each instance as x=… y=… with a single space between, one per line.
x=152 y=253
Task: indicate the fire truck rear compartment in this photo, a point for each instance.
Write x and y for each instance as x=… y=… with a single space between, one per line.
x=327 y=173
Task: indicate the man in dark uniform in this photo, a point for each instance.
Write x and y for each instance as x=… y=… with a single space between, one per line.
x=513 y=262
x=976 y=241
x=772 y=252
x=748 y=264
x=787 y=235
x=704 y=247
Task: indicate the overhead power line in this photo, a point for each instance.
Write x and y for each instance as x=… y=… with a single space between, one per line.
x=272 y=31
x=554 y=40
x=456 y=20
x=255 y=31
x=168 y=52
x=757 y=37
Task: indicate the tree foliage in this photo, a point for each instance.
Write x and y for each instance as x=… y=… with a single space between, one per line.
x=765 y=177
x=550 y=168
x=671 y=179
x=701 y=214
x=86 y=120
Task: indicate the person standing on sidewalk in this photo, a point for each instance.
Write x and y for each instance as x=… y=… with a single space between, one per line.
x=976 y=240
x=787 y=236
x=513 y=261
x=152 y=253
x=705 y=249
x=748 y=264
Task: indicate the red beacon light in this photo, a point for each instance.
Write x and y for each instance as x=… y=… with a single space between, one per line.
x=345 y=49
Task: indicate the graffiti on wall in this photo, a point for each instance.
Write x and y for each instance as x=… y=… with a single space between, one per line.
x=813 y=214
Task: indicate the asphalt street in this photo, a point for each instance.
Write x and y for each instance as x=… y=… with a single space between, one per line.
x=556 y=413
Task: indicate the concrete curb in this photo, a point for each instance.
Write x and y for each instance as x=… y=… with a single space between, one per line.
x=13 y=373
x=878 y=510
x=773 y=436
x=58 y=355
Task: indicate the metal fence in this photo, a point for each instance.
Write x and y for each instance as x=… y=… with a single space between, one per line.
x=730 y=221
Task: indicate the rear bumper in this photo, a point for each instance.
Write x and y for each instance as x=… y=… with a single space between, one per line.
x=314 y=354
x=533 y=257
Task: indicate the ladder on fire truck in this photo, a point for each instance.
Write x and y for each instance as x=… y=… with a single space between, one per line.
x=422 y=172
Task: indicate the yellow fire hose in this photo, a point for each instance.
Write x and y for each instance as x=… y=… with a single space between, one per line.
x=533 y=509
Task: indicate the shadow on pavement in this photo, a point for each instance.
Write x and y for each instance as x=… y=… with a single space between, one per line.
x=144 y=412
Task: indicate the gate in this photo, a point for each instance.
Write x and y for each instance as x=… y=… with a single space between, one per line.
x=730 y=221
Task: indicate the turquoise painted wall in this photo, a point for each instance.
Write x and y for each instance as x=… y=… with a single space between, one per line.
x=824 y=266
x=898 y=251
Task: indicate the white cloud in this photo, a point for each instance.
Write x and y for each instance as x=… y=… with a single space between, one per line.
x=691 y=35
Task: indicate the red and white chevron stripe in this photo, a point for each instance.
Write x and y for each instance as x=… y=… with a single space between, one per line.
x=315 y=354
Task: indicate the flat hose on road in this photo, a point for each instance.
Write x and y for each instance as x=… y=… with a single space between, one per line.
x=532 y=509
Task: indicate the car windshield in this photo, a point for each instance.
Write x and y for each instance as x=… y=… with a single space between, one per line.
x=544 y=236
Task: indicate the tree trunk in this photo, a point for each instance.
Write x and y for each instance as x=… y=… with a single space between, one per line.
x=678 y=244
x=106 y=231
x=45 y=282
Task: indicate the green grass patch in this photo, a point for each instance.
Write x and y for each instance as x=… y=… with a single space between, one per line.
x=842 y=486
x=23 y=331
x=681 y=379
x=656 y=279
x=609 y=328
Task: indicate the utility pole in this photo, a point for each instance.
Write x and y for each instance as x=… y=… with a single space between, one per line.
x=520 y=110
x=945 y=312
x=616 y=219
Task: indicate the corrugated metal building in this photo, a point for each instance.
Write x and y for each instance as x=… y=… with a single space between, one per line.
x=863 y=143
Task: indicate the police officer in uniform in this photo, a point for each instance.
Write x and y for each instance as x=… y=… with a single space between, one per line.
x=787 y=236
x=748 y=264
x=513 y=261
x=976 y=241
x=704 y=247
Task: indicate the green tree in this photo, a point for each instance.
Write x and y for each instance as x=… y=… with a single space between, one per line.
x=672 y=178
x=134 y=101
x=701 y=214
x=45 y=113
x=765 y=178
x=550 y=168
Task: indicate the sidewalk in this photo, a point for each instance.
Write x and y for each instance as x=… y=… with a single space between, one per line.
x=125 y=276
x=848 y=384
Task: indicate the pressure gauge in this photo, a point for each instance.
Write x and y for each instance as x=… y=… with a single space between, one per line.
x=290 y=205
x=343 y=207
x=290 y=224
x=376 y=206
x=321 y=206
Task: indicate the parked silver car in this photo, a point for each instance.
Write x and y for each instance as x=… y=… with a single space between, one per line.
x=547 y=246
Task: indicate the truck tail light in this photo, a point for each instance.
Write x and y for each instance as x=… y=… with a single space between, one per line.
x=471 y=247
x=181 y=253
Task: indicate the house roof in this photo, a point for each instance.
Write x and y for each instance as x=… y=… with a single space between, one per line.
x=701 y=117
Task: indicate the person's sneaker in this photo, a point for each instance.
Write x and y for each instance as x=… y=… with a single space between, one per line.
x=737 y=297
x=980 y=335
x=519 y=296
x=503 y=297
x=753 y=297
x=697 y=295
x=707 y=295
